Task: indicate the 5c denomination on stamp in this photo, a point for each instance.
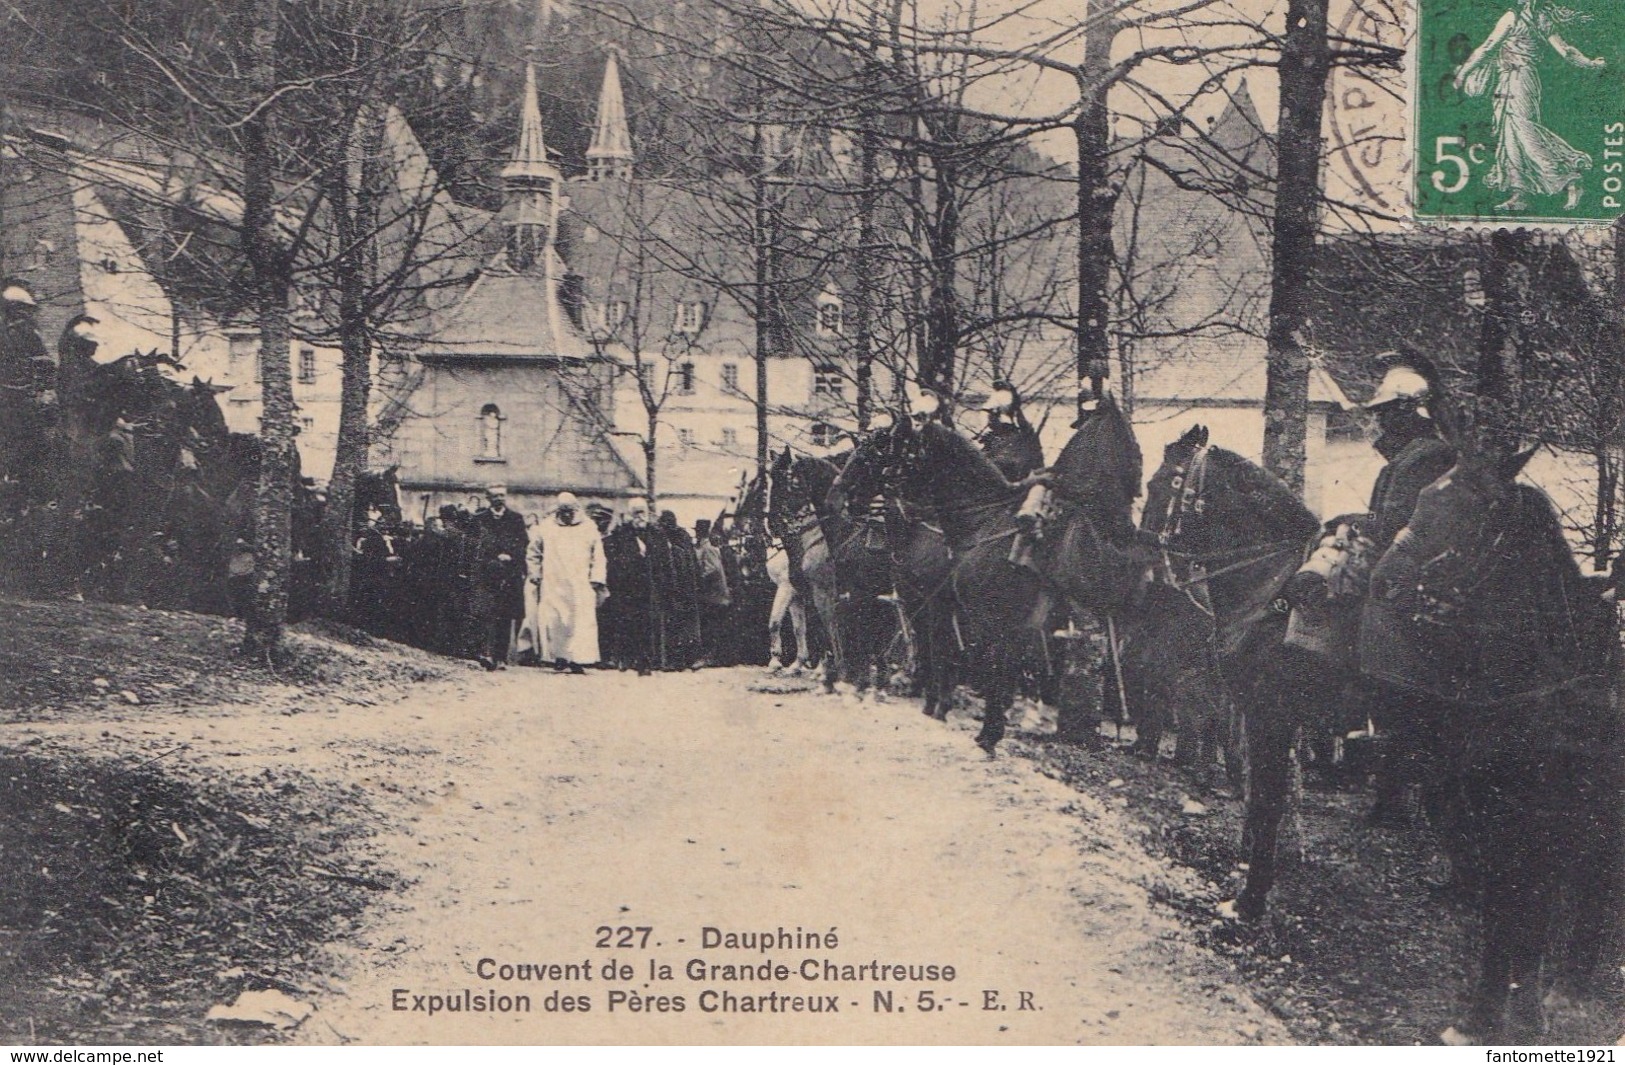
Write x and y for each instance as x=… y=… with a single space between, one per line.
x=1520 y=111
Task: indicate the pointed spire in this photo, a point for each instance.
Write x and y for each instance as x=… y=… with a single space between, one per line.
x=530 y=157
x=610 y=155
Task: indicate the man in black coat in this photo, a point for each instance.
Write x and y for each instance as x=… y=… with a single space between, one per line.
x=677 y=588
x=499 y=576
x=27 y=401
x=1417 y=456
x=1009 y=440
x=628 y=566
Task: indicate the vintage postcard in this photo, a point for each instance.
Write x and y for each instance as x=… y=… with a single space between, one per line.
x=811 y=522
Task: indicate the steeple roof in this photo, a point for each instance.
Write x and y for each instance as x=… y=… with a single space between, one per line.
x=612 y=137
x=530 y=156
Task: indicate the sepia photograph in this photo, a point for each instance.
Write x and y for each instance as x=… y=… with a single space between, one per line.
x=811 y=523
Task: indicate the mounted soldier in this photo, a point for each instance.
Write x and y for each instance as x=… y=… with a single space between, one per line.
x=1410 y=440
x=1009 y=440
x=1417 y=456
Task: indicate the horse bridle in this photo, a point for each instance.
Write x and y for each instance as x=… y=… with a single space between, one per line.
x=1187 y=486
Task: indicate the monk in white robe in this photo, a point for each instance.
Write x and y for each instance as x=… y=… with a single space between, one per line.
x=572 y=570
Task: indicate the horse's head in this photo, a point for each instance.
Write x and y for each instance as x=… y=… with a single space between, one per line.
x=1485 y=578
x=1167 y=494
x=1223 y=521
x=869 y=472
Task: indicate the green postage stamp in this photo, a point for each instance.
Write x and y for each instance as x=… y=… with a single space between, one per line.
x=1520 y=111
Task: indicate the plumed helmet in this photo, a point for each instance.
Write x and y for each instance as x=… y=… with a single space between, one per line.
x=924 y=404
x=14 y=291
x=1406 y=378
x=1003 y=397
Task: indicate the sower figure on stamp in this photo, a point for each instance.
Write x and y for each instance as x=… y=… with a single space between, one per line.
x=1529 y=157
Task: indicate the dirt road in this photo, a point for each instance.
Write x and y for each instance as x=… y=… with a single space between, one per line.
x=529 y=810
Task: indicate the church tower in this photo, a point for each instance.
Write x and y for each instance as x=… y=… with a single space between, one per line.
x=531 y=187
x=609 y=157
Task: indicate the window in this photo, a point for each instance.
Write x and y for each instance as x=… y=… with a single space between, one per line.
x=685 y=436
x=490 y=433
x=730 y=376
x=827 y=381
x=690 y=316
x=307 y=424
x=823 y=434
x=1472 y=288
x=307 y=366
x=830 y=323
x=685 y=379
x=730 y=438
x=608 y=316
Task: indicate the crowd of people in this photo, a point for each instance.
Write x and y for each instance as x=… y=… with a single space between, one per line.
x=568 y=589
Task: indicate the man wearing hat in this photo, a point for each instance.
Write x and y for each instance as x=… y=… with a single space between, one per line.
x=1009 y=440
x=498 y=591
x=27 y=381
x=1417 y=455
x=573 y=584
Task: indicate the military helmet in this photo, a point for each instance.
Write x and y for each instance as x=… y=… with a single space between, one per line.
x=1404 y=380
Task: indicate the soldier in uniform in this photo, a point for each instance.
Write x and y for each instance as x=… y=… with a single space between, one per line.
x=1417 y=456
x=1009 y=440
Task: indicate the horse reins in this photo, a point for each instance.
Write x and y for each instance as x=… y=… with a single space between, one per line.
x=1187 y=496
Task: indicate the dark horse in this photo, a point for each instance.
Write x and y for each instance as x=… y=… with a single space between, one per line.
x=1232 y=536
x=1001 y=603
x=1163 y=636
x=918 y=565
x=1480 y=612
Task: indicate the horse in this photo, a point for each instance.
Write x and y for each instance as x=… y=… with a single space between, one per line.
x=1231 y=536
x=797 y=492
x=771 y=558
x=1001 y=605
x=1480 y=612
x=920 y=568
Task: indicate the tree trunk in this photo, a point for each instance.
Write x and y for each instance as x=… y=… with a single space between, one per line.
x=762 y=305
x=942 y=306
x=351 y=195
x=866 y=275
x=273 y=505
x=1097 y=203
x=1501 y=344
x=1304 y=65
x=650 y=450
